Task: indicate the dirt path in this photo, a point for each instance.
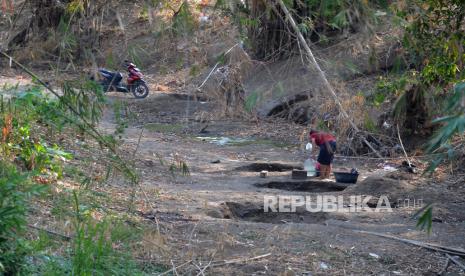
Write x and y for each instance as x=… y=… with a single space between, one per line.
x=216 y=212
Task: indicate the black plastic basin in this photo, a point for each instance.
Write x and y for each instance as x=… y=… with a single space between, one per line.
x=343 y=177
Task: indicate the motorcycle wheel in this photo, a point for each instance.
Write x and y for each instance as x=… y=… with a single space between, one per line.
x=140 y=90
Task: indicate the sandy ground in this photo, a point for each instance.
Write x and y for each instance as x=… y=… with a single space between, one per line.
x=215 y=213
x=213 y=218
x=210 y=222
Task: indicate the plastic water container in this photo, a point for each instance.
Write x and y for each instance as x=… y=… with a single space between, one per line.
x=309 y=146
x=310 y=167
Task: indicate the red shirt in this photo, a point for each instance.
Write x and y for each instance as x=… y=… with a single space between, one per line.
x=322 y=137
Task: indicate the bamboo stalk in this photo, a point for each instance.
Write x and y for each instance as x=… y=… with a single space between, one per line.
x=322 y=74
x=439 y=248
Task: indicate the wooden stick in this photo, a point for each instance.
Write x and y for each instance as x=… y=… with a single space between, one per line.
x=455 y=261
x=322 y=74
x=174 y=268
x=203 y=270
x=446 y=266
x=402 y=145
x=199 y=268
x=240 y=260
x=214 y=67
x=438 y=248
x=168 y=271
x=52 y=233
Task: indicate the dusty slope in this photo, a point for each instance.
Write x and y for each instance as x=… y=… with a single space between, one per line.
x=214 y=214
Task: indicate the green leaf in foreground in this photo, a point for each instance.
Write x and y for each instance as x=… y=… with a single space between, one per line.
x=425 y=218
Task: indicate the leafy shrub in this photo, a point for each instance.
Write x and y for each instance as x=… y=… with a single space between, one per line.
x=453 y=123
x=20 y=116
x=93 y=247
x=15 y=190
x=433 y=45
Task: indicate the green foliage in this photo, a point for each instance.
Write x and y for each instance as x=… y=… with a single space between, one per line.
x=435 y=43
x=93 y=251
x=452 y=124
x=248 y=22
x=425 y=218
x=18 y=118
x=251 y=101
x=240 y=15
x=338 y=14
x=9 y=87
x=15 y=190
x=179 y=166
x=67 y=41
x=21 y=145
x=379 y=99
x=194 y=70
x=180 y=63
x=435 y=40
x=269 y=38
x=231 y=7
x=138 y=54
x=306 y=26
x=392 y=87
x=98 y=247
x=110 y=61
x=39 y=156
x=183 y=21
x=119 y=108
x=322 y=125
x=433 y=47
x=85 y=97
x=34 y=105
x=144 y=13
x=26 y=122
x=75 y=6
x=369 y=124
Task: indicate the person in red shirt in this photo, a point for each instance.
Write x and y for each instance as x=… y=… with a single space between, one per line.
x=327 y=144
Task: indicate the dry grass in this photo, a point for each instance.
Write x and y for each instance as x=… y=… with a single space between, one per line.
x=225 y=86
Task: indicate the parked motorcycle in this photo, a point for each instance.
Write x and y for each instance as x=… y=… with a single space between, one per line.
x=112 y=81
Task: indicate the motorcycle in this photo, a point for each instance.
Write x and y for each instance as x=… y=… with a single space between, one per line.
x=111 y=81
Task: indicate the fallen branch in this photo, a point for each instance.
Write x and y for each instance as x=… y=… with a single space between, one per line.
x=52 y=233
x=174 y=268
x=446 y=266
x=200 y=269
x=205 y=268
x=322 y=74
x=214 y=67
x=403 y=148
x=168 y=271
x=240 y=260
x=455 y=261
x=439 y=248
